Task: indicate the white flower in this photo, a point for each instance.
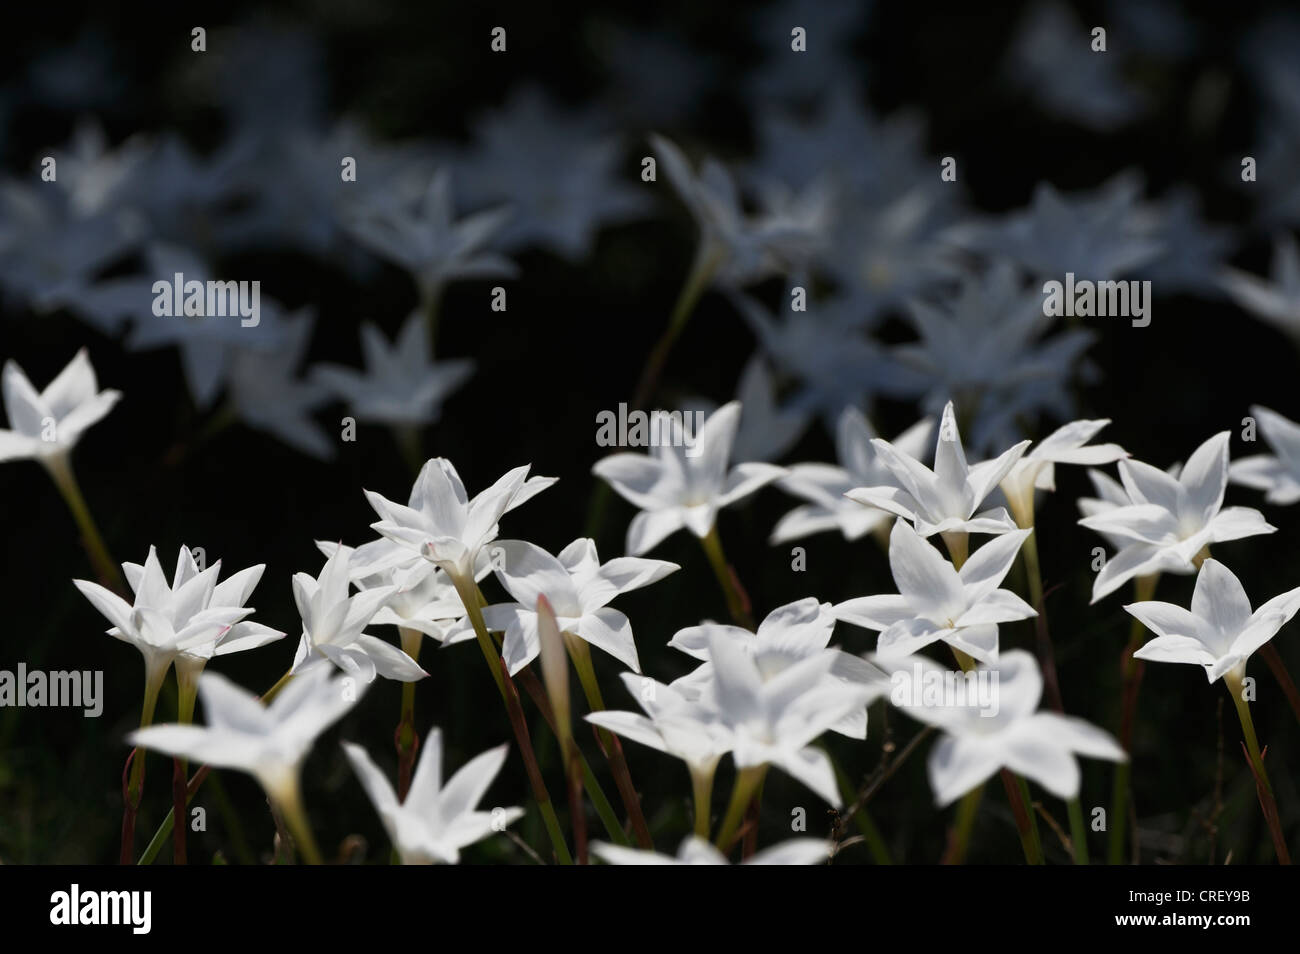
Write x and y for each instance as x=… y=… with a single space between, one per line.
x=268 y=742
x=1277 y=474
x=436 y=820
x=423 y=597
x=49 y=424
x=441 y=524
x=696 y=851
x=937 y=602
x=675 y=723
x=772 y=722
x=187 y=616
x=678 y=486
x=579 y=589
x=1276 y=301
x=978 y=740
x=332 y=624
x=1037 y=471
x=789 y=635
x=1220 y=632
x=943 y=500
x=825 y=486
x=401 y=385
x=1170 y=519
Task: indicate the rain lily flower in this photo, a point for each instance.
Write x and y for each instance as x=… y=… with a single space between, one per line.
x=268 y=742
x=825 y=486
x=1036 y=470
x=431 y=244
x=436 y=820
x=697 y=851
x=332 y=624
x=1277 y=300
x=46 y=425
x=579 y=588
x=1277 y=474
x=767 y=428
x=977 y=740
x=401 y=386
x=442 y=525
x=183 y=617
x=684 y=486
x=937 y=602
x=1220 y=632
x=943 y=500
x=789 y=635
x=423 y=597
x=1170 y=520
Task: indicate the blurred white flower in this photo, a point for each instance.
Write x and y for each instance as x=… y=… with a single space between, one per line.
x=697 y=851
x=436 y=820
x=48 y=424
x=1277 y=474
x=1277 y=300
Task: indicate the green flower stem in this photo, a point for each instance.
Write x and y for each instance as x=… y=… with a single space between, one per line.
x=742 y=793
x=1022 y=808
x=702 y=796
x=1046 y=652
x=737 y=601
x=959 y=840
x=471 y=598
x=59 y=467
x=1144 y=588
x=187 y=675
x=1078 y=832
x=1233 y=682
x=289 y=803
x=753 y=813
x=133 y=786
x=407 y=739
x=707 y=261
x=1274 y=659
x=165 y=829
x=580 y=653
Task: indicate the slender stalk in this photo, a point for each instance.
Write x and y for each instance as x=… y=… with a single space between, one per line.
x=1026 y=825
x=1144 y=588
x=1078 y=832
x=1264 y=788
x=702 y=795
x=1275 y=663
x=753 y=812
x=133 y=778
x=289 y=803
x=610 y=745
x=406 y=738
x=470 y=597
x=188 y=669
x=747 y=782
x=1046 y=652
x=737 y=600
x=705 y=265
x=959 y=838
x=60 y=470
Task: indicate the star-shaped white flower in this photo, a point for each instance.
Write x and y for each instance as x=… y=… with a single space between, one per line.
x=937 y=602
x=436 y=820
x=1219 y=632
x=679 y=486
x=191 y=616
x=268 y=742
x=401 y=386
x=1277 y=300
x=579 y=588
x=943 y=500
x=788 y=635
x=48 y=424
x=1037 y=469
x=1277 y=474
x=333 y=622
x=696 y=851
x=441 y=524
x=1169 y=520
x=423 y=596
x=825 y=486
x=979 y=740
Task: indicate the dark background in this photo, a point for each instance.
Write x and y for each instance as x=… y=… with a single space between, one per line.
x=570 y=345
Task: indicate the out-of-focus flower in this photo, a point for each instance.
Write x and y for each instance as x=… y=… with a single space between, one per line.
x=436 y=820
x=48 y=424
x=1277 y=474
x=1276 y=301
x=697 y=851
